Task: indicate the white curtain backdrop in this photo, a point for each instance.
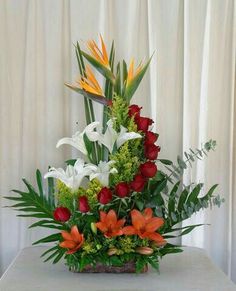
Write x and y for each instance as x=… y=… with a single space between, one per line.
x=189 y=91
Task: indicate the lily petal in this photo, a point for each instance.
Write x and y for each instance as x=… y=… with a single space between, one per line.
x=138 y=220
x=153 y=224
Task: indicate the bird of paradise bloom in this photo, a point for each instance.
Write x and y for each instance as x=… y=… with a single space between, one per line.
x=90 y=84
x=100 y=55
x=131 y=73
x=73 y=240
x=145 y=226
x=109 y=225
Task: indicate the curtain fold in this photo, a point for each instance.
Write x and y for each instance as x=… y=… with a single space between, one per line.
x=189 y=91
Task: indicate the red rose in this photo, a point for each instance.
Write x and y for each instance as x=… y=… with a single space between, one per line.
x=138 y=183
x=104 y=196
x=134 y=110
x=83 y=204
x=151 y=151
x=143 y=123
x=148 y=169
x=61 y=214
x=150 y=137
x=122 y=189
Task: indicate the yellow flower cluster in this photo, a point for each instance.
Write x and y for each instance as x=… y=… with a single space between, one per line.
x=127 y=164
x=68 y=198
x=91 y=192
x=65 y=196
x=127 y=244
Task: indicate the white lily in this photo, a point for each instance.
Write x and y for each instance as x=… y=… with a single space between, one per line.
x=73 y=175
x=111 y=136
x=102 y=172
x=77 y=140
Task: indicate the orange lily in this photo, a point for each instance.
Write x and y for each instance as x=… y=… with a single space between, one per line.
x=131 y=73
x=100 y=55
x=109 y=225
x=73 y=240
x=145 y=226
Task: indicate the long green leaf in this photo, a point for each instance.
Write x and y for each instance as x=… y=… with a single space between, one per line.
x=50 y=238
x=39 y=182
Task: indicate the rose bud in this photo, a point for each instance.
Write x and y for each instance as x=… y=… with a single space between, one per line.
x=83 y=204
x=112 y=251
x=61 y=214
x=104 y=196
x=143 y=123
x=138 y=183
x=159 y=244
x=150 y=137
x=122 y=189
x=151 y=151
x=134 y=110
x=144 y=250
x=148 y=169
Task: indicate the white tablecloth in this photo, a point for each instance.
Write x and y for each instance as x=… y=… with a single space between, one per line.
x=190 y=270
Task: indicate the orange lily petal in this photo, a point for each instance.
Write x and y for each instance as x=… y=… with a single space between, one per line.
x=101 y=226
x=66 y=235
x=154 y=236
x=153 y=224
x=103 y=216
x=120 y=223
x=138 y=220
x=148 y=213
x=129 y=230
x=68 y=244
x=75 y=234
x=111 y=218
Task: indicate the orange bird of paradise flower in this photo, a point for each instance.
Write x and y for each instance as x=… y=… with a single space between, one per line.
x=100 y=55
x=90 y=84
x=133 y=73
x=109 y=225
x=73 y=240
x=145 y=226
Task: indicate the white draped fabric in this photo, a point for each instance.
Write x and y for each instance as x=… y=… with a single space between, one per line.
x=189 y=91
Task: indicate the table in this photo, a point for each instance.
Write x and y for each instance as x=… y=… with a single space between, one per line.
x=190 y=270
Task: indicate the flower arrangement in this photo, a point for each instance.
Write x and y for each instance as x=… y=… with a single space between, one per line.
x=119 y=204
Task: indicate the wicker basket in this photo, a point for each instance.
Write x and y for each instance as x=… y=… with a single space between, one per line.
x=100 y=268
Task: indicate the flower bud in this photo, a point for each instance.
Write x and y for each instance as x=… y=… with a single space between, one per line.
x=93 y=227
x=144 y=250
x=83 y=204
x=151 y=151
x=61 y=214
x=105 y=195
x=112 y=251
x=122 y=189
x=138 y=183
x=148 y=169
x=143 y=123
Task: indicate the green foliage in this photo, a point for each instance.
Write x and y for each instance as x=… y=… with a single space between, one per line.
x=66 y=197
x=176 y=171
